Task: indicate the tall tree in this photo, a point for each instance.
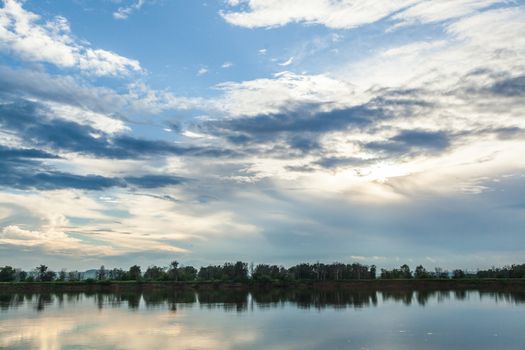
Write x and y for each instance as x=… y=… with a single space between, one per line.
x=101 y=273
x=420 y=272
x=173 y=270
x=135 y=273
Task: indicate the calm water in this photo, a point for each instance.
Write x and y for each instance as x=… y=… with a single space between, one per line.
x=276 y=320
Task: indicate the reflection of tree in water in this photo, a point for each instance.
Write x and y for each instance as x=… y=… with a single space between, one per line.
x=60 y=298
x=460 y=294
x=11 y=301
x=421 y=296
x=404 y=296
x=115 y=300
x=73 y=297
x=133 y=299
x=516 y=298
x=43 y=300
x=443 y=295
x=229 y=300
x=241 y=300
x=171 y=297
x=320 y=299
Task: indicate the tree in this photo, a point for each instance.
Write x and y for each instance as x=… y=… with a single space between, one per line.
x=402 y=273
x=41 y=272
x=118 y=274
x=187 y=273
x=240 y=271
x=421 y=272
x=7 y=274
x=45 y=275
x=62 y=275
x=440 y=273
x=458 y=274
x=405 y=271
x=73 y=276
x=22 y=276
x=135 y=273
x=373 y=272
x=49 y=276
x=101 y=273
x=173 y=270
x=155 y=273
x=210 y=273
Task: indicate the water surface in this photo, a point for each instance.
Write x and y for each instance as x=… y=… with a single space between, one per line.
x=264 y=320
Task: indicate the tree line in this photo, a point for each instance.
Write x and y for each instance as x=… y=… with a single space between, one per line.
x=242 y=272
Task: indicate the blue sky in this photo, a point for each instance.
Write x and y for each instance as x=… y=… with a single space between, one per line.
x=278 y=131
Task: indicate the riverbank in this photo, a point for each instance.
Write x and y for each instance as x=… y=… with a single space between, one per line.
x=511 y=285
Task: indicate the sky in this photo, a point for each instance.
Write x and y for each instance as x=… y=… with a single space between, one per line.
x=269 y=131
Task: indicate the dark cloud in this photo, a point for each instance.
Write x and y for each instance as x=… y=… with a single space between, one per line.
x=29 y=120
x=509 y=133
x=292 y=133
x=511 y=87
x=437 y=140
x=303 y=120
x=27 y=176
x=174 y=126
x=58 y=180
x=300 y=168
x=31 y=153
x=304 y=143
x=24 y=169
x=154 y=181
x=239 y=139
x=297 y=131
x=336 y=162
x=413 y=141
x=27 y=172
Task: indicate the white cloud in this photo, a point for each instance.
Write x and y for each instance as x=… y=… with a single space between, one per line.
x=99 y=121
x=26 y=35
x=478 y=41
x=287 y=62
x=441 y=10
x=151 y=223
x=263 y=51
x=284 y=91
x=143 y=99
x=226 y=65
x=345 y=14
x=333 y=14
x=202 y=71
x=124 y=11
x=65 y=90
x=194 y=135
x=445 y=73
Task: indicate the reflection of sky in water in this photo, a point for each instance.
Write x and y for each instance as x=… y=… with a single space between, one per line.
x=288 y=320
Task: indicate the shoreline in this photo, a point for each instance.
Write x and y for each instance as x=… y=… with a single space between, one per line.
x=511 y=285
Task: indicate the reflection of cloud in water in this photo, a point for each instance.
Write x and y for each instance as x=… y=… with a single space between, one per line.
x=274 y=319
x=113 y=328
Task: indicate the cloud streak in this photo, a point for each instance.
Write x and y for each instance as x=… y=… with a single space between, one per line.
x=124 y=12
x=347 y=14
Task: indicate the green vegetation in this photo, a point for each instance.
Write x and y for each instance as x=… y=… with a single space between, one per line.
x=241 y=272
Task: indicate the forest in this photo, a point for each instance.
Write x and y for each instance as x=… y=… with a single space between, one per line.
x=244 y=272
